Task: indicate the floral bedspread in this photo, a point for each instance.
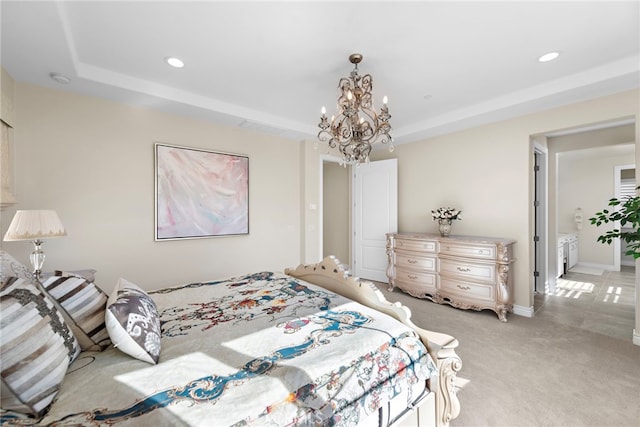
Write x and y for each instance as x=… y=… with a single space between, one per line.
x=261 y=349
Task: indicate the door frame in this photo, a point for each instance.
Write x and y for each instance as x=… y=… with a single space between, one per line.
x=541 y=221
x=617 y=246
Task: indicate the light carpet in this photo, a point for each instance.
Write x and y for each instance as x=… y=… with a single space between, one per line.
x=535 y=371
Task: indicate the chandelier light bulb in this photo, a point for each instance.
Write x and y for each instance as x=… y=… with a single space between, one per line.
x=349 y=95
x=385 y=100
x=323 y=111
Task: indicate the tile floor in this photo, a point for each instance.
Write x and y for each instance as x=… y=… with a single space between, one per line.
x=608 y=309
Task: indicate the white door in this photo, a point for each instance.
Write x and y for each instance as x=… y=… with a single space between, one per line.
x=375 y=213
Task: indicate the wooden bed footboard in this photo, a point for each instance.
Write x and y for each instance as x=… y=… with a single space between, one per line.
x=331 y=275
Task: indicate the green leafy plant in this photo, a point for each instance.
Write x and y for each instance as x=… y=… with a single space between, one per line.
x=627 y=211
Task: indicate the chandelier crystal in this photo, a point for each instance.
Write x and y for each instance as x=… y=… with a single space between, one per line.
x=357 y=126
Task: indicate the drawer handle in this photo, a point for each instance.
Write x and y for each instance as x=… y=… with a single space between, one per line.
x=412 y=277
x=464 y=288
x=465 y=270
x=412 y=261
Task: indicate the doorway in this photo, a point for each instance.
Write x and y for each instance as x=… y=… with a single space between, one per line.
x=336 y=215
x=580 y=182
x=359 y=206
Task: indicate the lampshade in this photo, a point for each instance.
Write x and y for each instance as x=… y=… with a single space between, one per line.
x=35 y=225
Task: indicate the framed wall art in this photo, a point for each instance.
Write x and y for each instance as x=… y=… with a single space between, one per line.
x=200 y=193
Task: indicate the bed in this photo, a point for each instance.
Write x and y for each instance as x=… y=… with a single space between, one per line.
x=312 y=346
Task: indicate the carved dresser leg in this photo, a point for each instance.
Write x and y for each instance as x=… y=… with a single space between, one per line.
x=391 y=273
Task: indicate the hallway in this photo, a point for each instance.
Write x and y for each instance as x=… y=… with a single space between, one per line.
x=604 y=304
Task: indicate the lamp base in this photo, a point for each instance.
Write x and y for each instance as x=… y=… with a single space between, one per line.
x=37 y=258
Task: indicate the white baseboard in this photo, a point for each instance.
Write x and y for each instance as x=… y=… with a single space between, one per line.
x=636 y=337
x=607 y=267
x=523 y=311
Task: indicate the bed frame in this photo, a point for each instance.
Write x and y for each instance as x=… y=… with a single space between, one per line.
x=332 y=275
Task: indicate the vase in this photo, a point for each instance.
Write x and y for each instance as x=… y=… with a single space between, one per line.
x=445 y=227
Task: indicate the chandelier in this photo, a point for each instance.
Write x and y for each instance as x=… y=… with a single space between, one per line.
x=357 y=126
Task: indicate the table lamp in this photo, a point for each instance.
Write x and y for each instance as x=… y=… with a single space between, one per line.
x=35 y=225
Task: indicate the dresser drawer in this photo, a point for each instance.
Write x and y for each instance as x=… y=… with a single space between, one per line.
x=416 y=284
x=468 y=291
x=477 y=251
x=467 y=270
x=416 y=245
x=410 y=260
x=417 y=279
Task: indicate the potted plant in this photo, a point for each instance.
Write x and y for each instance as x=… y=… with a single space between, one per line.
x=627 y=211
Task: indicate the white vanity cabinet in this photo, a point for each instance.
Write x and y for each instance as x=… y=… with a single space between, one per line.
x=567 y=252
x=572 y=256
x=463 y=271
x=561 y=260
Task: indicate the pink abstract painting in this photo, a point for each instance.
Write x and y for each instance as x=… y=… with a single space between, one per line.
x=200 y=193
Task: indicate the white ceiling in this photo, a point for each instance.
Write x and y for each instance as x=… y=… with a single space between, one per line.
x=270 y=66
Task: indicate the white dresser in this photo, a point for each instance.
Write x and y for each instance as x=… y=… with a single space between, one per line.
x=464 y=271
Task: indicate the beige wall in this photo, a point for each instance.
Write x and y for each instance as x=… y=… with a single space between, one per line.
x=486 y=172
x=92 y=160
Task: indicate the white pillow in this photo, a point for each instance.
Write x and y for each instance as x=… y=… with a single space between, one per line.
x=133 y=322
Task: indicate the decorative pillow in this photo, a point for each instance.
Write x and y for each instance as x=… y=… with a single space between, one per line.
x=83 y=306
x=10 y=267
x=36 y=348
x=133 y=322
x=88 y=274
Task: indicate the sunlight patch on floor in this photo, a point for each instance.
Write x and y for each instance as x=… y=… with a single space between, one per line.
x=613 y=293
x=572 y=289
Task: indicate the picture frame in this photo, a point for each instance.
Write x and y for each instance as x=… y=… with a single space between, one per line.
x=200 y=193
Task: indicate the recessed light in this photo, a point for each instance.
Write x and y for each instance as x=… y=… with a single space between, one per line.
x=60 y=78
x=174 y=62
x=548 y=57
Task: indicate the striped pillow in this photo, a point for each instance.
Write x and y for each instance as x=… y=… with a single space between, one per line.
x=36 y=347
x=83 y=306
